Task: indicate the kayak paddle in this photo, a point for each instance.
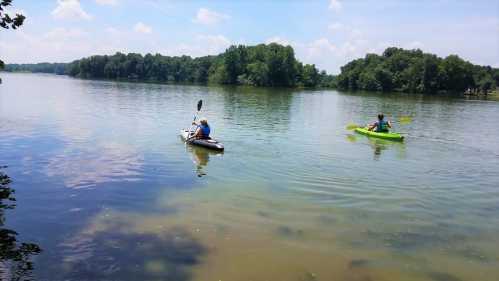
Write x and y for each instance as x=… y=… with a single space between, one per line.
x=200 y=104
x=402 y=120
x=353 y=126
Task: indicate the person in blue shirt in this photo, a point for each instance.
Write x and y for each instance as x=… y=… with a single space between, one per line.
x=381 y=126
x=202 y=130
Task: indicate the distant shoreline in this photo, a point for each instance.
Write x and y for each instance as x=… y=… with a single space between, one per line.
x=274 y=65
x=133 y=81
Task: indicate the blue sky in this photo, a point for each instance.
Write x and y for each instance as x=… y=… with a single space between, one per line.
x=328 y=33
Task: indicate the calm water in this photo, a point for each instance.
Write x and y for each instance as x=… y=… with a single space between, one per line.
x=107 y=189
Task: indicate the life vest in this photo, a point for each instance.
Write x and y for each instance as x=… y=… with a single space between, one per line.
x=382 y=126
x=205 y=130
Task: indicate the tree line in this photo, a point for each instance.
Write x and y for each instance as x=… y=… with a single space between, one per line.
x=416 y=72
x=260 y=65
x=395 y=69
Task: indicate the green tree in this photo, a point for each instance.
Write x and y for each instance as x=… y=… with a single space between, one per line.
x=258 y=73
x=310 y=75
x=235 y=63
x=430 y=81
x=486 y=84
x=7 y=21
x=261 y=65
x=414 y=71
x=457 y=74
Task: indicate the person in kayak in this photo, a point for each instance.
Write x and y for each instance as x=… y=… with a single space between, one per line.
x=381 y=126
x=202 y=130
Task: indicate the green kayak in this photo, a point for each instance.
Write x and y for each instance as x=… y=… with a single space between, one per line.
x=388 y=136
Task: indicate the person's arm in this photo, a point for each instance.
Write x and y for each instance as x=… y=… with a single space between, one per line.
x=372 y=126
x=389 y=124
x=198 y=133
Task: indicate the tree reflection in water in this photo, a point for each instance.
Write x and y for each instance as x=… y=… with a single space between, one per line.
x=15 y=257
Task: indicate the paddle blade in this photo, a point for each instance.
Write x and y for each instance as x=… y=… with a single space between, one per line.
x=351 y=138
x=404 y=120
x=200 y=104
x=352 y=126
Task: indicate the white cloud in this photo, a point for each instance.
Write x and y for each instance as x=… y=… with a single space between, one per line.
x=61 y=33
x=70 y=10
x=331 y=55
x=414 y=45
x=335 y=5
x=214 y=43
x=111 y=30
x=57 y=45
x=320 y=48
x=208 y=17
x=203 y=45
x=278 y=40
x=141 y=27
x=355 y=34
x=107 y=2
x=335 y=26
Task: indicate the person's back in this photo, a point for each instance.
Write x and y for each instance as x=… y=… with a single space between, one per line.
x=203 y=130
x=381 y=125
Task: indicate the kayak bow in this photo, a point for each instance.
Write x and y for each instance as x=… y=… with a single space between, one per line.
x=387 y=136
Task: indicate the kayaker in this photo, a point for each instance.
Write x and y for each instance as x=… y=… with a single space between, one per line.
x=381 y=126
x=202 y=130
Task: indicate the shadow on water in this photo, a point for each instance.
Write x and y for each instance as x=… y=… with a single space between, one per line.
x=117 y=253
x=15 y=257
x=200 y=157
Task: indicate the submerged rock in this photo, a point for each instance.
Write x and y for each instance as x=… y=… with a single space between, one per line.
x=443 y=276
x=471 y=253
x=358 y=263
x=308 y=276
x=263 y=214
x=289 y=232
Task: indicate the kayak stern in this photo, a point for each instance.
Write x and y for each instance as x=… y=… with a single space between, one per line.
x=209 y=143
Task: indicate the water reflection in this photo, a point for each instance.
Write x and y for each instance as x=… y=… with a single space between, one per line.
x=255 y=108
x=83 y=167
x=380 y=145
x=290 y=193
x=15 y=257
x=200 y=157
x=116 y=246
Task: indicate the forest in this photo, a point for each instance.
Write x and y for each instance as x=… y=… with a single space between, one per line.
x=413 y=71
x=260 y=65
x=274 y=65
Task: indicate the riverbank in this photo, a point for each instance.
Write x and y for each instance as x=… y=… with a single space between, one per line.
x=494 y=95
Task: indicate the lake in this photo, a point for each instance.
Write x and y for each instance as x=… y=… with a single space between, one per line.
x=107 y=189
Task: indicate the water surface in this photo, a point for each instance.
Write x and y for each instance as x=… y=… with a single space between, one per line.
x=108 y=191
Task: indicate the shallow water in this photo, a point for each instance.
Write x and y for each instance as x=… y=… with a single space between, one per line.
x=107 y=189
